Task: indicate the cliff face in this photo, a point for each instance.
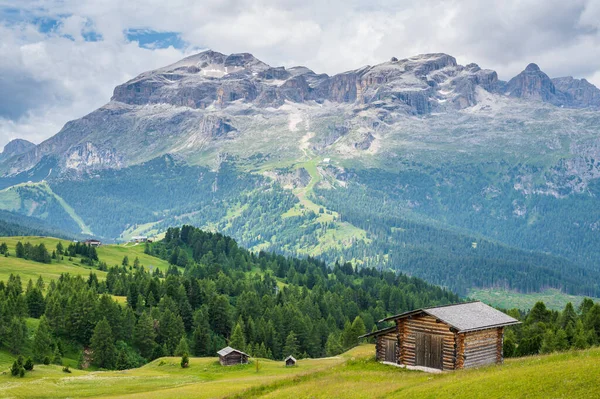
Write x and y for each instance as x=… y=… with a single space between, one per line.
x=209 y=99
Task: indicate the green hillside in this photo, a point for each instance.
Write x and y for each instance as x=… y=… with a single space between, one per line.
x=352 y=375
x=109 y=254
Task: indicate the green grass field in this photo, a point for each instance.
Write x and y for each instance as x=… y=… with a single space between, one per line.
x=352 y=375
x=29 y=269
x=111 y=254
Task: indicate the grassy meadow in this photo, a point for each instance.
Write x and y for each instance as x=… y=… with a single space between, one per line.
x=353 y=375
x=111 y=254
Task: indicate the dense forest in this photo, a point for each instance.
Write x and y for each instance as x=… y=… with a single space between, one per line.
x=14 y=224
x=449 y=257
x=214 y=293
x=545 y=331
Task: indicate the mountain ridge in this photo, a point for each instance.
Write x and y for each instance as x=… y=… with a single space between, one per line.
x=225 y=86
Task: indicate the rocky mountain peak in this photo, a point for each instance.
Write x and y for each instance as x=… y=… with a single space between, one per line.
x=16 y=147
x=532 y=68
x=533 y=84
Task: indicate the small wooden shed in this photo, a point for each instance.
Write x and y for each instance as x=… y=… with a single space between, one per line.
x=229 y=356
x=445 y=337
x=290 y=361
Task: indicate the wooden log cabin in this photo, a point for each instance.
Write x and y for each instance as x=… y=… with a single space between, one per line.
x=446 y=337
x=229 y=356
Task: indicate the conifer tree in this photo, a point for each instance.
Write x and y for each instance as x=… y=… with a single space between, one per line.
x=102 y=345
x=238 y=340
x=145 y=335
x=182 y=347
x=291 y=347
x=42 y=341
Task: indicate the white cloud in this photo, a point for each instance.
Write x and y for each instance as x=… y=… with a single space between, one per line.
x=333 y=36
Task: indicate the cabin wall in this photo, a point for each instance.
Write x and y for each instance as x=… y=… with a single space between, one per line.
x=381 y=346
x=482 y=347
x=232 y=359
x=409 y=328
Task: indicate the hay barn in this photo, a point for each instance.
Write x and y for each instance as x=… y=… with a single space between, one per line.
x=229 y=356
x=445 y=338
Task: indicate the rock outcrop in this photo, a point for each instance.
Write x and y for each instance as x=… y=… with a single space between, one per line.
x=16 y=147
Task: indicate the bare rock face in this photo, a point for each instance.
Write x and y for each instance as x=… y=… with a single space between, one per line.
x=580 y=93
x=89 y=156
x=534 y=84
x=16 y=147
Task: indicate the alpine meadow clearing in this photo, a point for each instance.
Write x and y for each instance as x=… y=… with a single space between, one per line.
x=352 y=375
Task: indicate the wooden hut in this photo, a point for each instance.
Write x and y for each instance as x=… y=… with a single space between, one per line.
x=229 y=356
x=445 y=337
x=290 y=361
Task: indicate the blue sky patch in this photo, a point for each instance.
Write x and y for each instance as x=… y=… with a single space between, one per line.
x=153 y=39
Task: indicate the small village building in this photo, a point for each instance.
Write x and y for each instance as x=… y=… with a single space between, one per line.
x=139 y=239
x=93 y=243
x=290 y=361
x=445 y=337
x=229 y=356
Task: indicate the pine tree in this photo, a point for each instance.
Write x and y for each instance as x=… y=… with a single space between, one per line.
x=291 y=347
x=102 y=345
x=333 y=346
x=238 y=340
x=182 y=347
x=28 y=366
x=145 y=335
x=185 y=360
x=170 y=330
x=20 y=250
x=201 y=338
x=17 y=334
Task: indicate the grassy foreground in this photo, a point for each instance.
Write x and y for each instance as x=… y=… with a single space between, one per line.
x=352 y=375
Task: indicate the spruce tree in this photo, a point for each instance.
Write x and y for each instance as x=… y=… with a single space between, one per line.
x=144 y=335
x=185 y=360
x=238 y=340
x=182 y=347
x=201 y=338
x=291 y=347
x=102 y=345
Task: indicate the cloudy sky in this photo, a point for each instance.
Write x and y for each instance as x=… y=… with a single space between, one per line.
x=60 y=59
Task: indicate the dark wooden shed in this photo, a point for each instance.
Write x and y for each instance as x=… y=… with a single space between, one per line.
x=229 y=356
x=446 y=337
x=290 y=361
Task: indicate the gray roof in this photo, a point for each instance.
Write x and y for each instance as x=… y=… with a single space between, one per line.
x=228 y=349
x=465 y=317
x=379 y=332
x=291 y=358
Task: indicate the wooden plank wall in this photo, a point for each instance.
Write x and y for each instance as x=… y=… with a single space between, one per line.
x=380 y=344
x=481 y=347
x=233 y=358
x=428 y=325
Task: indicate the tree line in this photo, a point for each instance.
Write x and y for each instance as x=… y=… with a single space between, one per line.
x=544 y=330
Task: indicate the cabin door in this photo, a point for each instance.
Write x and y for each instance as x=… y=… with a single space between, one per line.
x=390 y=350
x=428 y=350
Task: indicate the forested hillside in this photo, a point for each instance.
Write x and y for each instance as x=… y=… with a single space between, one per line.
x=370 y=222
x=214 y=293
x=13 y=224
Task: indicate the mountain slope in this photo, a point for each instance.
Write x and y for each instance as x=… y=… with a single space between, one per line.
x=384 y=165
